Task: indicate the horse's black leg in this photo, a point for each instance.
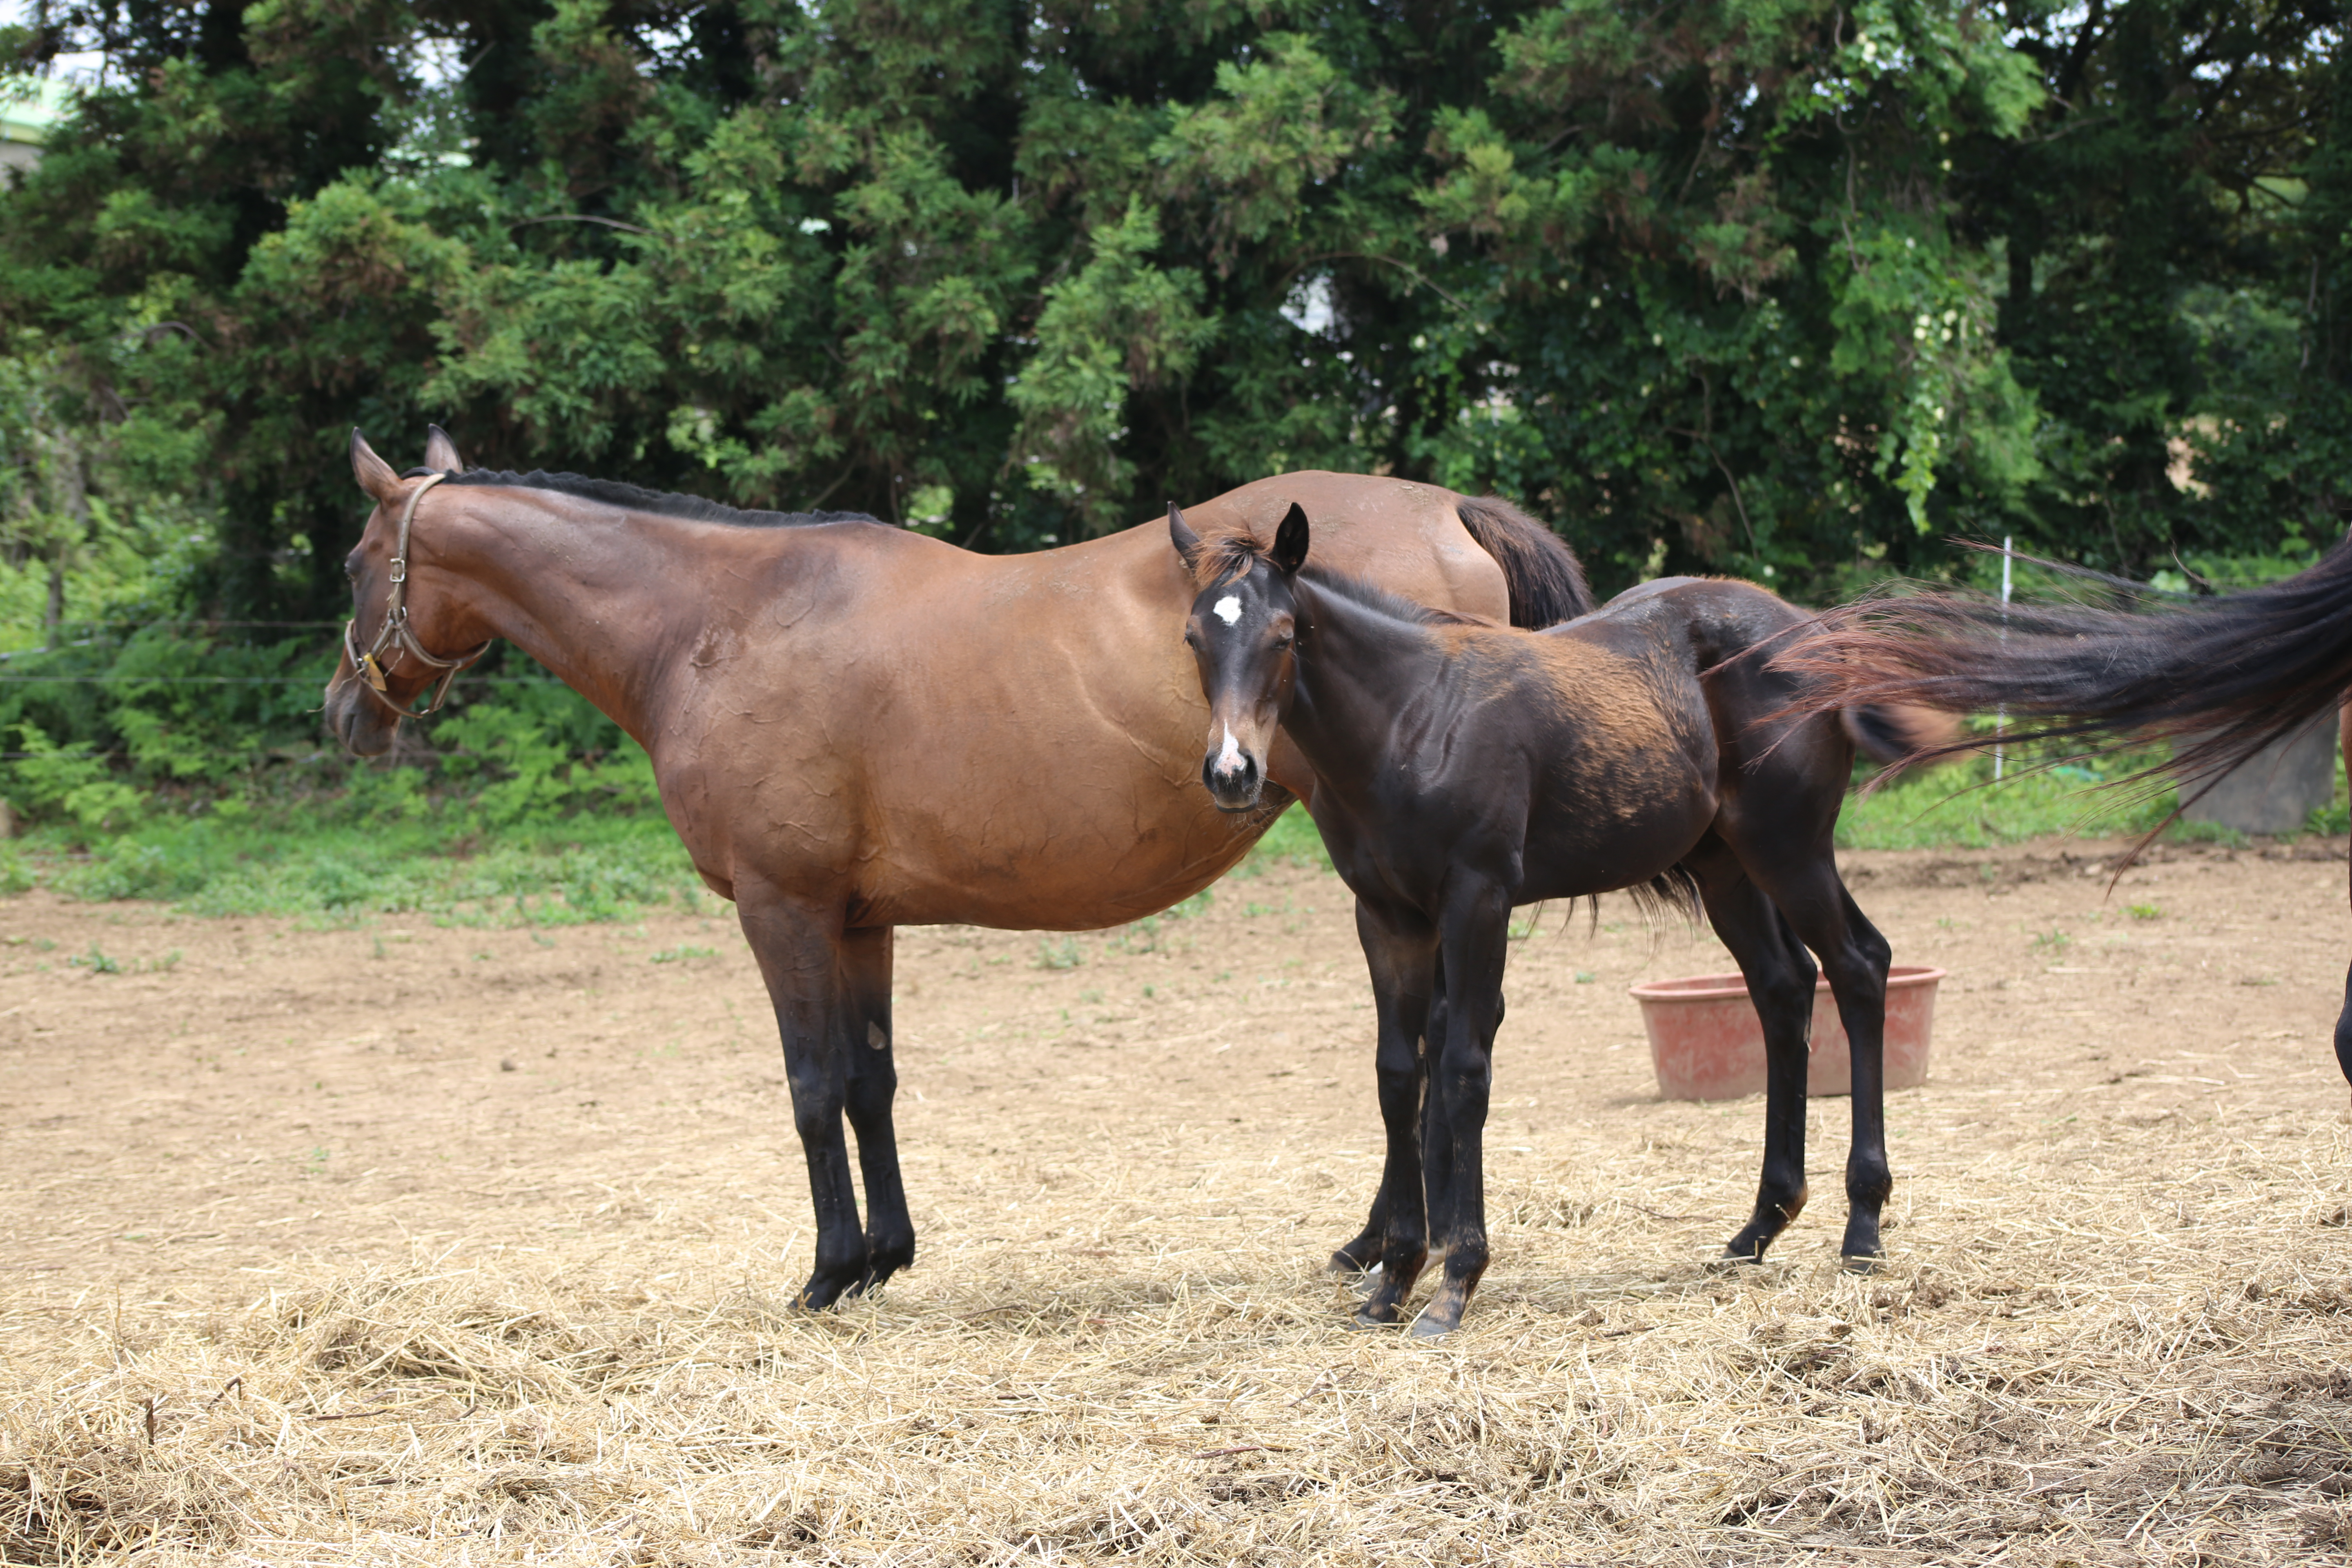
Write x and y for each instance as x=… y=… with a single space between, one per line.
x=1400 y=962
x=1858 y=984
x=1363 y=1250
x=2344 y=1019
x=873 y=1082
x=2344 y=1031
x=1781 y=984
x=1475 y=928
x=1854 y=957
x=798 y=952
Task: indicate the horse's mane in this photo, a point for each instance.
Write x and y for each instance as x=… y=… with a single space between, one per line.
x=661 y=503
x=1227 y=555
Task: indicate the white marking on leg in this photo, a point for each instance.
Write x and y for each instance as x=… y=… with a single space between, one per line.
x=1228 y=609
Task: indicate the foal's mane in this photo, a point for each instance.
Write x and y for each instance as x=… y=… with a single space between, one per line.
x=1224 y=557
x=660 y=503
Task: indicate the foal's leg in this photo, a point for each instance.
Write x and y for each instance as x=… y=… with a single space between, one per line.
x=1781 y=984
x=873 y=1081
x=1401 y=963
x=1477 y=928
x=1808 y=892
x=2344 y=1020
x=798 y=946
x=1363 y=1252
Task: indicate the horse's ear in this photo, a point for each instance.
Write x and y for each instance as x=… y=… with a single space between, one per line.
x=374 y=475
x=440 y=452
x=1187 y=543
x=1289 y=551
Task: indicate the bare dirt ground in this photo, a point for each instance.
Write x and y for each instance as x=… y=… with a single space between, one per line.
x=399 y=1243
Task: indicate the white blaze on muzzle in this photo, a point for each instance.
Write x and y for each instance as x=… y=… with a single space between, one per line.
x=1229 y=757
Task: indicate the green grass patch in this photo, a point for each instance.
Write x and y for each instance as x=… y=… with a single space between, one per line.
x=1291 y=841
x=452 y=871
x=1960 y=807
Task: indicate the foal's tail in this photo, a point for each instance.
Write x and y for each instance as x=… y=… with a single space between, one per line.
x=2235 y=672
x=1895 y=735
x=1547 y=581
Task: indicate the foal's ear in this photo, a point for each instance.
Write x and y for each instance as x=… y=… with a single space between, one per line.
x=440 y=452
x=1187 y=543
x=374 y=475
x=1289 y=551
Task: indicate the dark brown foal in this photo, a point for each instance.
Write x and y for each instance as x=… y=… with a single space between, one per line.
x=1463 y=768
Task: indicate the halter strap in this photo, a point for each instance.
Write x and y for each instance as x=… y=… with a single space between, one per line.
x=372 y=669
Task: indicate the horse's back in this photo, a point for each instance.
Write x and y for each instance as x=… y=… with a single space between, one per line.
x=1015 y=740
x=1402 y=536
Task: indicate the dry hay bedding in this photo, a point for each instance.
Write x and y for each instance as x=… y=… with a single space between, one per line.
x=466 y=1246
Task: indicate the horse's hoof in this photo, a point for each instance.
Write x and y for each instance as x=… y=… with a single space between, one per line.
x=826 y=1290
x=1431 y=1326
x=1347 y=1268
x=1735 y=1257
x=1373 y=1315
x=1862 y=1262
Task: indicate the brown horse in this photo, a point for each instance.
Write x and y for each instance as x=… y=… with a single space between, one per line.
x=1464 y=768
x=856 y=728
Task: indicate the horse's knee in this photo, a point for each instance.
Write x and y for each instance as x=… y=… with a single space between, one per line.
x=1468 y=1073
x=1786 y=994
x=871 y=1087
x=817 y=1107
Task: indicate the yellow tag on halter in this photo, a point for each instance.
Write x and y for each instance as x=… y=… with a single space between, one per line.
x=371 y=671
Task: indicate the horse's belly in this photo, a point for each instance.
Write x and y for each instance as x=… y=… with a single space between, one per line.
x=1079 y=868
x=1613 y=842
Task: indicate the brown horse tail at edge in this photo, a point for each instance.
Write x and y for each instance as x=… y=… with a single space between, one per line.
x=2223 y=676
x=1545 y=579
x=1895 y=735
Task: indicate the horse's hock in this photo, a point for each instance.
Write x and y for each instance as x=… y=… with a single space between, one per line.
x=2277 y=787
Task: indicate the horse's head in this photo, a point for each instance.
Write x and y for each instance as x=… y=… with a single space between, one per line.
x=388 y=647
x=1243 y=634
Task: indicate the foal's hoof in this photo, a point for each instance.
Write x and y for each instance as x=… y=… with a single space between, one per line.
x=822 y=1292
x=1735 y=1257
x=1434 y=1325
x=1863 y=1262
x=1373 y=1315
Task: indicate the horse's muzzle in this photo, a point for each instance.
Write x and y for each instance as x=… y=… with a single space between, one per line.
x=1236 y=780
x=355 y=718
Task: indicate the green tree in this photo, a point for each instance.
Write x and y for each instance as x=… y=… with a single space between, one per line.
x=1783 y=287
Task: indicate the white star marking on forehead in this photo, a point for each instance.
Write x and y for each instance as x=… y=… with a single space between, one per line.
x=1228 y=609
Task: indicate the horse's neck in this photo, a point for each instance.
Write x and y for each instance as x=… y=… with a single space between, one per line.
x=1356 y=665
x=592 y=592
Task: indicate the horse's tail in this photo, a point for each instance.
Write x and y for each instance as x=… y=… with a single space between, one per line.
x=2238 y=672
x=1894 y=733
x=1547 y=581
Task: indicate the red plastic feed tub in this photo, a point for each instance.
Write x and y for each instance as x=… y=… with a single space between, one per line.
x=1707 y=1042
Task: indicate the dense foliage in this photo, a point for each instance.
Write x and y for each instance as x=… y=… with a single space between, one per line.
x=1777 y=287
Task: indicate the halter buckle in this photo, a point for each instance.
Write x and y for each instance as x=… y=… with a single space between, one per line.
x=399 y=569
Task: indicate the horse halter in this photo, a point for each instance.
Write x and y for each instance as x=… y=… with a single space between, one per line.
x=396 y=635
